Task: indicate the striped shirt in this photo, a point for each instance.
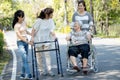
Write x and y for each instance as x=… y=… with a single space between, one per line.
x=86 y=19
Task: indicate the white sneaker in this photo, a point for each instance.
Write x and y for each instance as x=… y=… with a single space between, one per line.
x=50 y=73
x=43 y=73
x=28 y=76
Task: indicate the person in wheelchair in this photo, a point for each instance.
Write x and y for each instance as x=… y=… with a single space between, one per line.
x=78 y=45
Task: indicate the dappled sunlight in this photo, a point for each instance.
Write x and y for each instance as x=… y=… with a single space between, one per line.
x=108 y=58
x=108 y=75
x=106 y=41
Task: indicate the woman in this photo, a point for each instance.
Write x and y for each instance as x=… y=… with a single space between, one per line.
x=42 y=31
x=79 y=45
x=22 y=41
x=82 y=15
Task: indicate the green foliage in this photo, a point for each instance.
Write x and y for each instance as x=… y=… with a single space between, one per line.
x=58 y=13
x=1 y=42
x=70 y=10
x=6 y=13
x=30 y=15
x=4 y=58
x=32 y=8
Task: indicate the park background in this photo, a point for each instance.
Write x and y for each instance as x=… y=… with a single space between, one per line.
x=106 y=15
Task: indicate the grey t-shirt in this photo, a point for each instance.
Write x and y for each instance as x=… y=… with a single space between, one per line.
x=78 y=38
x=86 y=19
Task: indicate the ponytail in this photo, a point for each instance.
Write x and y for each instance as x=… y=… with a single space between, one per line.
x=42 y=14
x=18 y=13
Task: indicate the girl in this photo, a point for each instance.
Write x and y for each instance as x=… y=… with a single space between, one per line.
x=22 y=42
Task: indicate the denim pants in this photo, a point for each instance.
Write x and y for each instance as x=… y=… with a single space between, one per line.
x=23 y=51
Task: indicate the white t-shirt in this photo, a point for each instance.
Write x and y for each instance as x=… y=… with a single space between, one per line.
x=21 y=28
x=43 y=27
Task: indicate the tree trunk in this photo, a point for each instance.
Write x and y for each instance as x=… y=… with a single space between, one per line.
x=107 y=24
x=91 y=11
x=65 y=16
x=75 y=6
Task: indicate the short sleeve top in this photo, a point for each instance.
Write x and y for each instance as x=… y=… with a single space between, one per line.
x=43 y=28
x=86 y=19
x=78 y=38
x=21 y=28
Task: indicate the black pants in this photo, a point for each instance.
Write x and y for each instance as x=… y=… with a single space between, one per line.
x=82 y=49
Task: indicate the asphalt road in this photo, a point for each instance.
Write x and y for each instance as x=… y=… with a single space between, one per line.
x=108 y=57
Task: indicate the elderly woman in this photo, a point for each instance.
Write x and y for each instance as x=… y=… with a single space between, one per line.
x=79 y=45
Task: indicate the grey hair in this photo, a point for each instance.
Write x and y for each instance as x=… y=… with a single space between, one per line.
x=79 y=22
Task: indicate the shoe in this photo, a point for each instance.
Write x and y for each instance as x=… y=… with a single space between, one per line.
x=51 y=74
x=76 y=68
x=85 y=70
x=43 y=73
x=28 y=76
x=22 y=76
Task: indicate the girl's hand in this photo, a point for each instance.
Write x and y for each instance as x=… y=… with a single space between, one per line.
x=31 y=43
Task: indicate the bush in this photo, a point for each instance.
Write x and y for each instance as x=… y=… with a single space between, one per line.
x=1 y=42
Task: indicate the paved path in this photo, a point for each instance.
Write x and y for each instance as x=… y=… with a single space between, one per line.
x=108 y=55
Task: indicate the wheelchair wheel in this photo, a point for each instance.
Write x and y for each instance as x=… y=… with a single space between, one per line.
x=94 y=57
x=95 y=69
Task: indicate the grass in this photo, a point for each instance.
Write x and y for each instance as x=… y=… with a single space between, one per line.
x=4 y=58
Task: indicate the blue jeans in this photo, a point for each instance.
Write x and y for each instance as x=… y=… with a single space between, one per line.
x=23 y=50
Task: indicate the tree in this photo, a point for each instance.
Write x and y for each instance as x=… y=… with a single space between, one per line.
x=6 y=14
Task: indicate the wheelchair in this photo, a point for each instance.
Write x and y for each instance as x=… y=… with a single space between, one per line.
x=34 y=60
x=92 y=59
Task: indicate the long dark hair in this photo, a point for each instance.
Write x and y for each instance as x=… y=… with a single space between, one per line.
x=42 y=14
x=83 y=2
x=45 y=11
x=18 y=13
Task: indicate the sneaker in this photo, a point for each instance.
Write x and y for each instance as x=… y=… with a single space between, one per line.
x=22 y=76
x=28 y=76
x=51 y=73
x=71 y=70
x=76 y=68
x=43 y=73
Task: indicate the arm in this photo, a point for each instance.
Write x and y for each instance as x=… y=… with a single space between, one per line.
x=25 y=24
x=68 y=37
x=34 y=29
x=90 y=21
x=32 y=35
x=88 y=36
x=53 y=34
x=52 y=29
x=28 y=32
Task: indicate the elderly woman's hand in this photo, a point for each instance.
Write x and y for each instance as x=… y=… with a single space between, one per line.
x=67 y=38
